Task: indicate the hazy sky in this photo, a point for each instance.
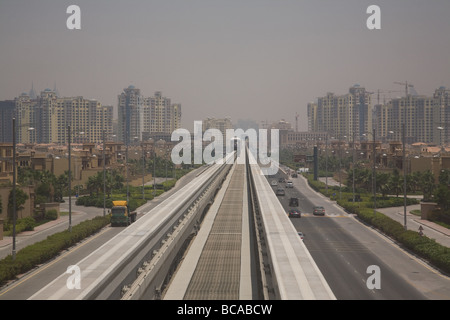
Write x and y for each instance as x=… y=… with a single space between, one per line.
x=257 y=59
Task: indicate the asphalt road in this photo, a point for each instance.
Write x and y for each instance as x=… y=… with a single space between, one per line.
x=344 y=249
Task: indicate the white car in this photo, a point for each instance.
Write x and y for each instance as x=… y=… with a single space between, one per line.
x=289 y=184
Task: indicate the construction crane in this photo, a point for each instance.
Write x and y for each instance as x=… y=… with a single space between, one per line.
x=406 y=86
x=383 y=91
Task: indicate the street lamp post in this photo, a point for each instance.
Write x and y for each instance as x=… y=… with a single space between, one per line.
x=143 y=171
x=154 y=170
x=326 y=163
x=165 y=159
x=104 y=173
x=70 y=178
x=374 y=175
x=353 y=167
x=340 y=169
x=14 y=189
x=126 y=171
x=404 y=175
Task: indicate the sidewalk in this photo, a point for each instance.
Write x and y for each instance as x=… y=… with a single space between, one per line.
x=434 y=226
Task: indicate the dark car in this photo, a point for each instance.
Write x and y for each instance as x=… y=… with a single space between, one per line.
x=294 y=175
x=293 y=202
x=294 y=213
x=319 y=211
x=280 y=192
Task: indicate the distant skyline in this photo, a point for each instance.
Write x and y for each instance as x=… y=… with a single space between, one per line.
x=252 y=59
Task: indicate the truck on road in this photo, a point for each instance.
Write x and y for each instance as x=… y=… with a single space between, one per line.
x=121 y=215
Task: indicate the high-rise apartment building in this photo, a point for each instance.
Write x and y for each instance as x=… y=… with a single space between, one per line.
x=312 y=116
x=441 y=116
x=130 y=115
x=141 y=117
x=161 y=115
x=342 y=115
x=88 y=119
x=6 y=116
x=426 y=119
x=45 y=119
x=25 y=111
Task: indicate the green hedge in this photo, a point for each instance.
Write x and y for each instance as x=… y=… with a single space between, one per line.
x=24 y=224
x=42 y=251
x=426 y=248
x=51 y=214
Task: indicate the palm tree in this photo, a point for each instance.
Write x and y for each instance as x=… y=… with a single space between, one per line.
x=383 y=183
x=61 y=184
x=95 y=183
x=428 y=184
x=21 y=198
x=442 y=196
x=415 y=178
x=395 y=183
x=365 y=179
x=444 y=177
x=118 y=180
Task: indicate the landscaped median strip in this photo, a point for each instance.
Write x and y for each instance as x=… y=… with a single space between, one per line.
x=43 y=251
x=426 y=248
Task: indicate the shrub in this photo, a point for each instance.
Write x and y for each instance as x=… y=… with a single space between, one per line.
x=51 y=214
x=24 y=224
x=169 y=184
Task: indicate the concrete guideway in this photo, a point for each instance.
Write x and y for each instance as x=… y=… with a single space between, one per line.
x=217 y=265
